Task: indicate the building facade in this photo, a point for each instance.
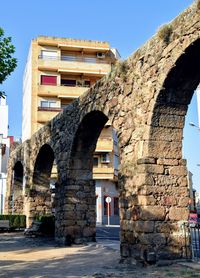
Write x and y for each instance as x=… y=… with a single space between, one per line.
x=59 y=70
x=4 y=150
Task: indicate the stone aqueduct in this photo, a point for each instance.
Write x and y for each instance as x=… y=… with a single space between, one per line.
x=146 y=99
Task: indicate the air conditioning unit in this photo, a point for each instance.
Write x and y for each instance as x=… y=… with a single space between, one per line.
x=101 y=55
x=105 y=158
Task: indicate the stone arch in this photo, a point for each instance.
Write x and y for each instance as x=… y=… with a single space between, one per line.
x=40 y=195
x=177 y=90
x=164 y=167
x=170 y=108
x=85 y=142
x=79 y=204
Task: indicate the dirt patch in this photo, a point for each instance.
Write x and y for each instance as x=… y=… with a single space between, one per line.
x=41 y=257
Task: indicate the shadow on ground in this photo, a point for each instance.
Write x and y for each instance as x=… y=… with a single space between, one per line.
x=40 y=257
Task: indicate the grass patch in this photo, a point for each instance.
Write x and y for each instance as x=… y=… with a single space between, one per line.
x=198 y=4
x=165 y=32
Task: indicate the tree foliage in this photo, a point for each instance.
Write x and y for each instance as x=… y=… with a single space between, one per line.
x=7 y=62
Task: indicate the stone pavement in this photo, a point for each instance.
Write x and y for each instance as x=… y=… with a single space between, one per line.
x=22 y=257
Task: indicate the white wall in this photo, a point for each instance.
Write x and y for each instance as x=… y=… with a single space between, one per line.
x=2 y=191
x=3 y=157
x=3 y=117
x=26 y=102
x=105 y=188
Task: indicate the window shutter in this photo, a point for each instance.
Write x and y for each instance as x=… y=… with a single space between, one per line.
x=48 y=80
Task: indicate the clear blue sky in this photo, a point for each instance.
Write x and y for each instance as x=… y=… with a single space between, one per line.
x=125 y=24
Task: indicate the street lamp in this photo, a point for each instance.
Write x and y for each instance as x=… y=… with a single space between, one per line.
x=194 y=125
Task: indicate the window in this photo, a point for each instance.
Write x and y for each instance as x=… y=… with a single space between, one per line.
x=68 y=82
x=83 y=83
x=95 y=161
x=48 y=80
x=86 y=83
x=52 y=55
x=105 y=158
x=48 y=104
x=116 y=206
x=74 y=83
x=106 y=206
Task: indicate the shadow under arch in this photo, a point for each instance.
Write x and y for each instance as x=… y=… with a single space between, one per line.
x=43 y=181
x=85 y=141
x=17 y=188
x=164 y=145
x=43 y=166
x=18 y=174
x=172 y=102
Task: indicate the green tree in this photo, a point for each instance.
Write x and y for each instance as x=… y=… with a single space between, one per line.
x=7 y=62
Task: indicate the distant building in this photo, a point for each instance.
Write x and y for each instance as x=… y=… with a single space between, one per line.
x=59 y=70
x=192 y=192
x=4 y=150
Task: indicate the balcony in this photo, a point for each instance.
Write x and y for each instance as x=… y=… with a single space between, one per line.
x=75 y=64
x=45 y=114
x=104 y=144
x=103 y=173
x=61 y=91
x=70 y=58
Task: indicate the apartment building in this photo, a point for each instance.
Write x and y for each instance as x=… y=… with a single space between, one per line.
x=5 y=141
x=59 y=70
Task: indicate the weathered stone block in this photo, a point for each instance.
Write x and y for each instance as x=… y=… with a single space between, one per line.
x=146 y=160
x=164 y=134
x=143 y=179
x=169 y=201
x=178 y=213
x=149 y=168
x=165 y=161
x=144 y=226
x=154 y=239
x=173 y=121
x=146 y=200
x=178 y=171
x=166 y=227
x=183 y=201
x=165 y=149
x=152 y=213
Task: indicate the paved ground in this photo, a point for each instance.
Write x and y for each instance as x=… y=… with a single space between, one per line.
x=40 y=257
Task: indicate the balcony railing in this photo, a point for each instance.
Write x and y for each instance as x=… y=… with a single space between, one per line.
x=50 y=109
x=70 y=58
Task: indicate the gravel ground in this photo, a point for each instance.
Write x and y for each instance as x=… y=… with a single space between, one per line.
x=41 y=257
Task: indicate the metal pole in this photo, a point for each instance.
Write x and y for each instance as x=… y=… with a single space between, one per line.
x=108 y=207
x=1 y=195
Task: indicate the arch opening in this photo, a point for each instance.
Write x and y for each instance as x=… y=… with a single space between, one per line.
x=43 y=167
x=86 y=182
x=17 y=188
x=169 y=177
x=45 y=176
